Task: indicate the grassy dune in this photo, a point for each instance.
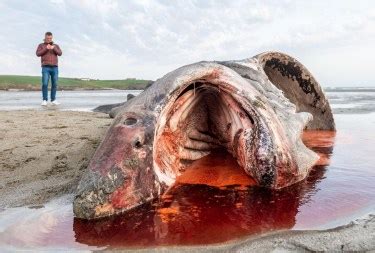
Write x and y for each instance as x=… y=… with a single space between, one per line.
x=33 y=83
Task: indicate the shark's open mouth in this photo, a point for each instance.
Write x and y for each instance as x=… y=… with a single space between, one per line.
x=204 y=117
x=255 y=109
x=250 y=118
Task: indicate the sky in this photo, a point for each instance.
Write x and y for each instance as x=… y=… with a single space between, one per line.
x=144 y=39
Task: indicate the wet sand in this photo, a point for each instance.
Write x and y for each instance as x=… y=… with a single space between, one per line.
x=358 y=236
x=43 y=153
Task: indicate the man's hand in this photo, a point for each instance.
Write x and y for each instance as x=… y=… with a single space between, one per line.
x=52 y=47
x=48 y=46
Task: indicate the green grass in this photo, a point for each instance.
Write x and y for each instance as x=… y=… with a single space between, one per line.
x=33 y=83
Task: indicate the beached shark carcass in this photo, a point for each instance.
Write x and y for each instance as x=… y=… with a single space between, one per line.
x=254 y=108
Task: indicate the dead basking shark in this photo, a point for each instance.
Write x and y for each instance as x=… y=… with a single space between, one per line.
x=254 y=108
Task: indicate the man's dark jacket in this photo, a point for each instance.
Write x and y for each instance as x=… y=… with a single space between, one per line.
x=48 y=56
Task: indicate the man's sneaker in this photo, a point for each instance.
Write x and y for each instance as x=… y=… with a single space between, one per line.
x=44 y=103
x=54 y=102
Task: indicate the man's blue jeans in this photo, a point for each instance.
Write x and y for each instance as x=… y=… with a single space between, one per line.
x=47 y=72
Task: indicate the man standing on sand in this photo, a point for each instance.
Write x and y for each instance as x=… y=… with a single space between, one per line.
x=48 y=51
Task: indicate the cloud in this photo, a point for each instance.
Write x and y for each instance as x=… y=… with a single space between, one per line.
x=111 y=39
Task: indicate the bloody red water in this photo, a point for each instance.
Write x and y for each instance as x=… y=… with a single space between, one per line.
x=213 y=201
x=195 y=214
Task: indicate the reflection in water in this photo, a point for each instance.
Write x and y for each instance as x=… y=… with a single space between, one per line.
x=202 y=213
x=195 y=214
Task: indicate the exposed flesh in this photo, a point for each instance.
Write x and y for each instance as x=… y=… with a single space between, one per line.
x=200 y=120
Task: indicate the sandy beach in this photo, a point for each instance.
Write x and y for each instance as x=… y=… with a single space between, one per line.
x=43 y=153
